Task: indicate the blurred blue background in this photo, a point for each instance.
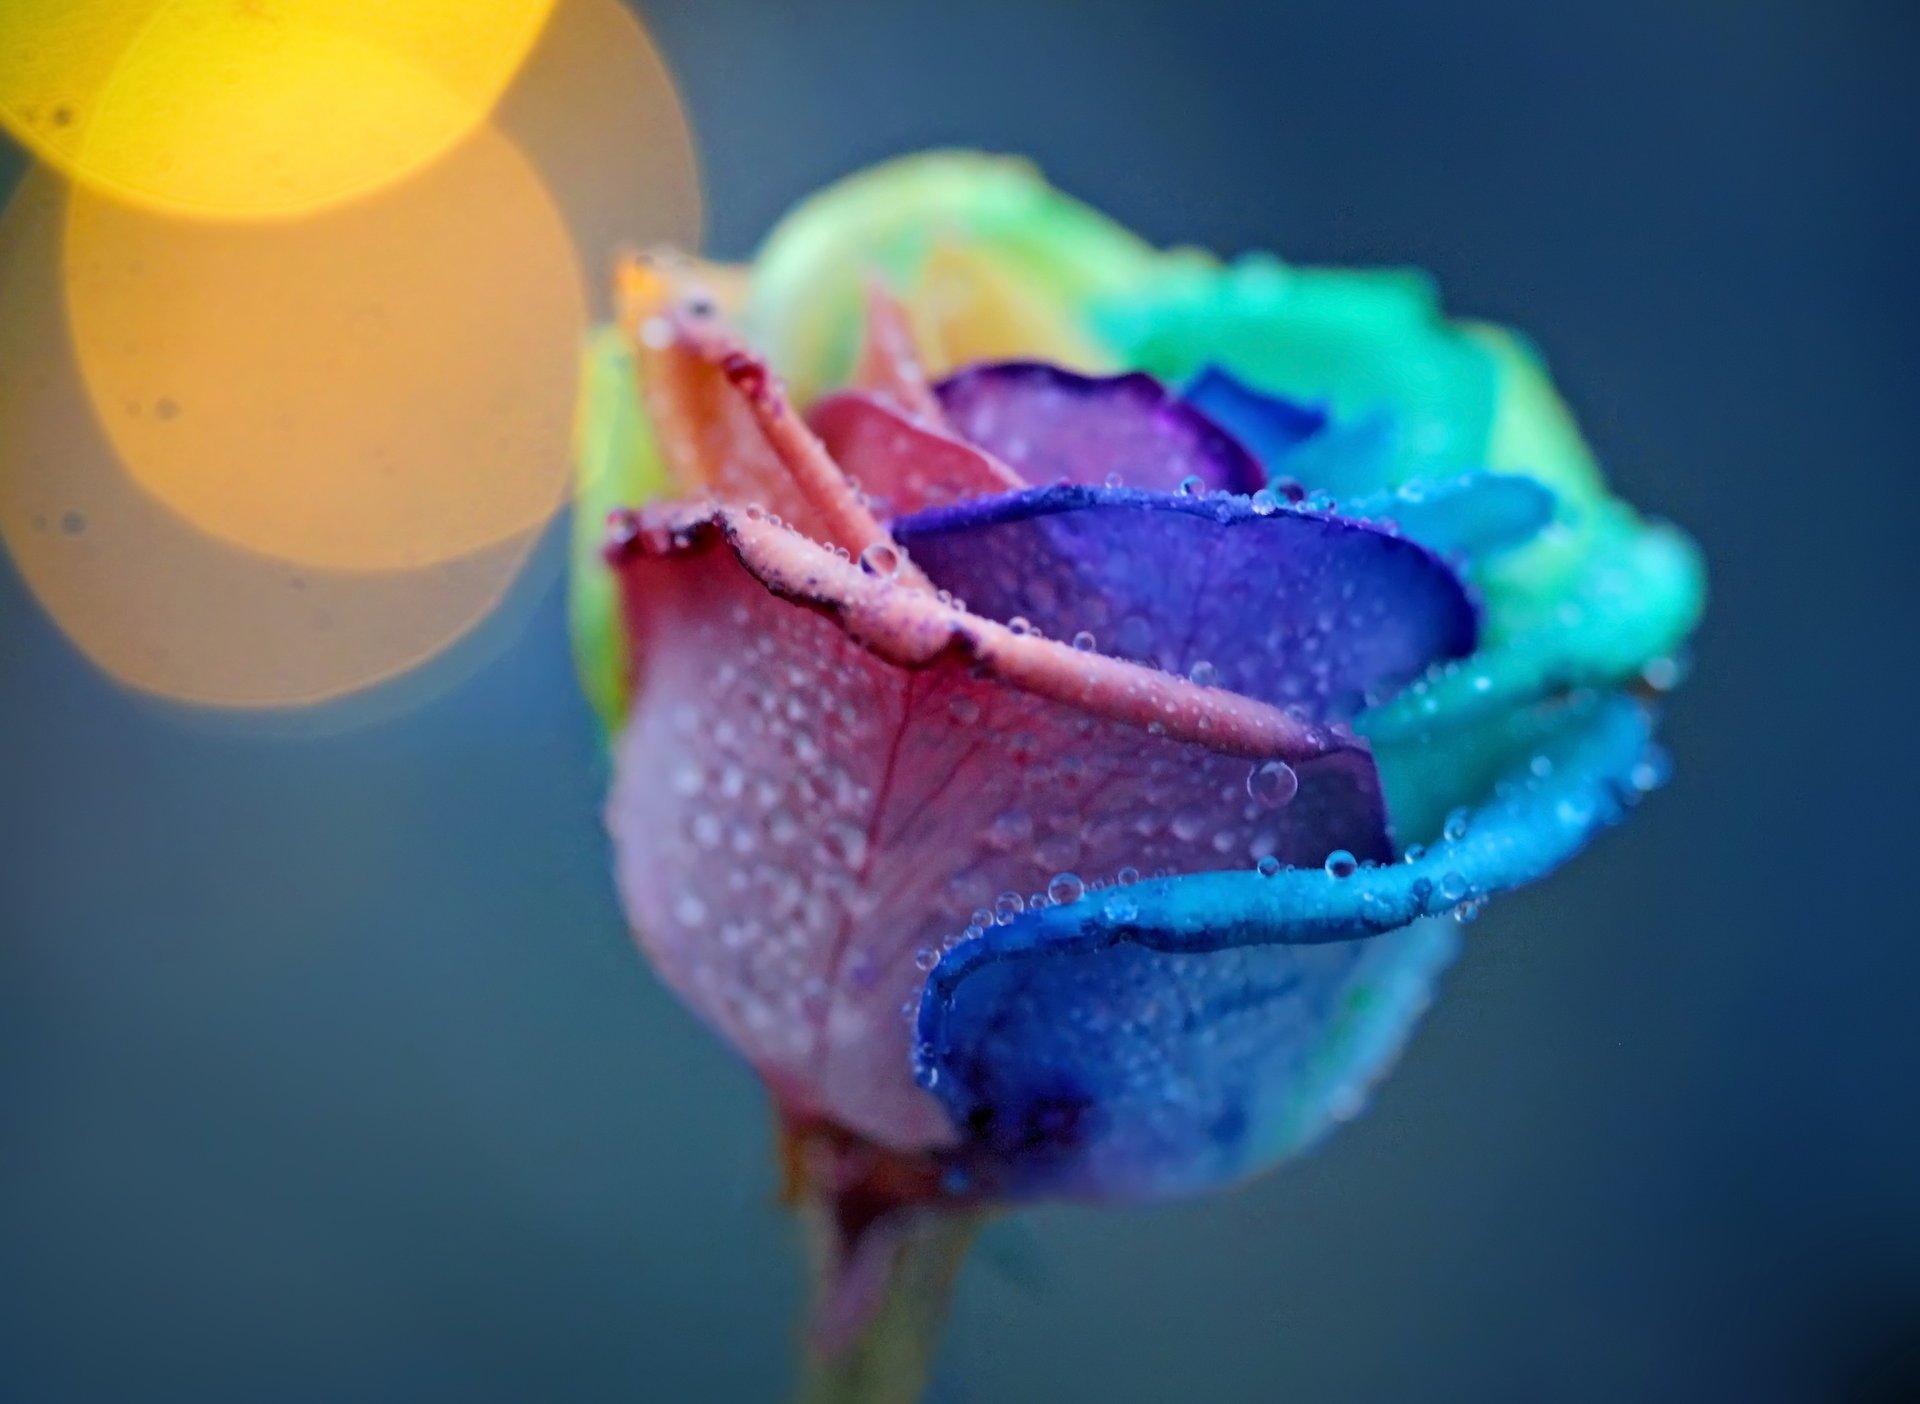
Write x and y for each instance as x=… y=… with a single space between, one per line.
x=327 y=1071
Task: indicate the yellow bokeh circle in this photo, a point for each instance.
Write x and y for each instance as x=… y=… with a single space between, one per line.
x=253 y=107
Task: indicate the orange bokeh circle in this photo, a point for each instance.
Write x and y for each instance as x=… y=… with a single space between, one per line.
x=153 y=600
x=382 y=385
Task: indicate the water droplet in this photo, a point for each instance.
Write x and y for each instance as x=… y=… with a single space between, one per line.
x=926 y=958
x=1204 y=674
x=1119 y=908
x=1020 y=625
x=1341 y=864
x=1115 y=480
x=1065 y=889
x=1453 y=887
x=1007 y=906
x=1264 y=503
x=1193 y=485
x=1415 y=852
x=1010 y=828
x=881 y=558
x=1664 y=674
x=1267 y=866
x=1273 y=784
x=1455 y=828
x=1127 y=877
x=1084 y=641
x=1654 y=770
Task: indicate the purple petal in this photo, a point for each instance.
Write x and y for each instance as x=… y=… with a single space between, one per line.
x=1054 y=425
x=1283 y=604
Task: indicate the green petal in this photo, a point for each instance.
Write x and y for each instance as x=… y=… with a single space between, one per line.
x=807 y=296
x=616 y=464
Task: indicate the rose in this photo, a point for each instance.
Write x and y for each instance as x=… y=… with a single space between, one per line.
x=1047 y=779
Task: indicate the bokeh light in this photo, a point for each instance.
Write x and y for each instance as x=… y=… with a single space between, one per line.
x=260 y=462
x=595 y=112
x=147 y=596
x=385 y=384
x=253 y=107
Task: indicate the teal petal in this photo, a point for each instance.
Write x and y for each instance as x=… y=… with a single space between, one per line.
x=1634 y=595
x=1473 y=515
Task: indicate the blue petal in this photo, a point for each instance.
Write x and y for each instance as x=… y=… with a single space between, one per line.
x=1473 y=515
x=1276 y=602
x=1271 y=426
x=1165 y=1038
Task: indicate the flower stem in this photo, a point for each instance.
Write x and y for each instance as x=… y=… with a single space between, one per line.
x=879 y=1304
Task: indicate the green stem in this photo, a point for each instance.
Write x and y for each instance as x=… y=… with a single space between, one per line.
x=883 y=1355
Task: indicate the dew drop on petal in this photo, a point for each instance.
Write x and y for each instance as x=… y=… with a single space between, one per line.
x=1455 y=828
x=1341 y=864
x=1268 y=866
x=1020 y=625
x=1064 y=889
x=1007 y=906
x=1193 y=485
x=1453 y=887
x=1084 y=641
x=881 y=558
x=1127 y=876
x=1204 y=674
x=1272 y=785
x=1265 y=504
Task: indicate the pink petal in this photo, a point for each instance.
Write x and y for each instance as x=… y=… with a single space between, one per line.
x=826 y=774
x=905 y=464
x=890 y=367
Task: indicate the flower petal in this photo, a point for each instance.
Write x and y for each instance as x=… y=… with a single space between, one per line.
x=1360 y=341
x=1167 y=1038
x=1472 y=515
x=617 y=464
x=1634 y=597
x=990 y=260
x=1270 y=426
x=826 y=773
x=903 y=464
x=1054 y=425
x=705 y=430
x=1287 y=605
x=890 y=367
